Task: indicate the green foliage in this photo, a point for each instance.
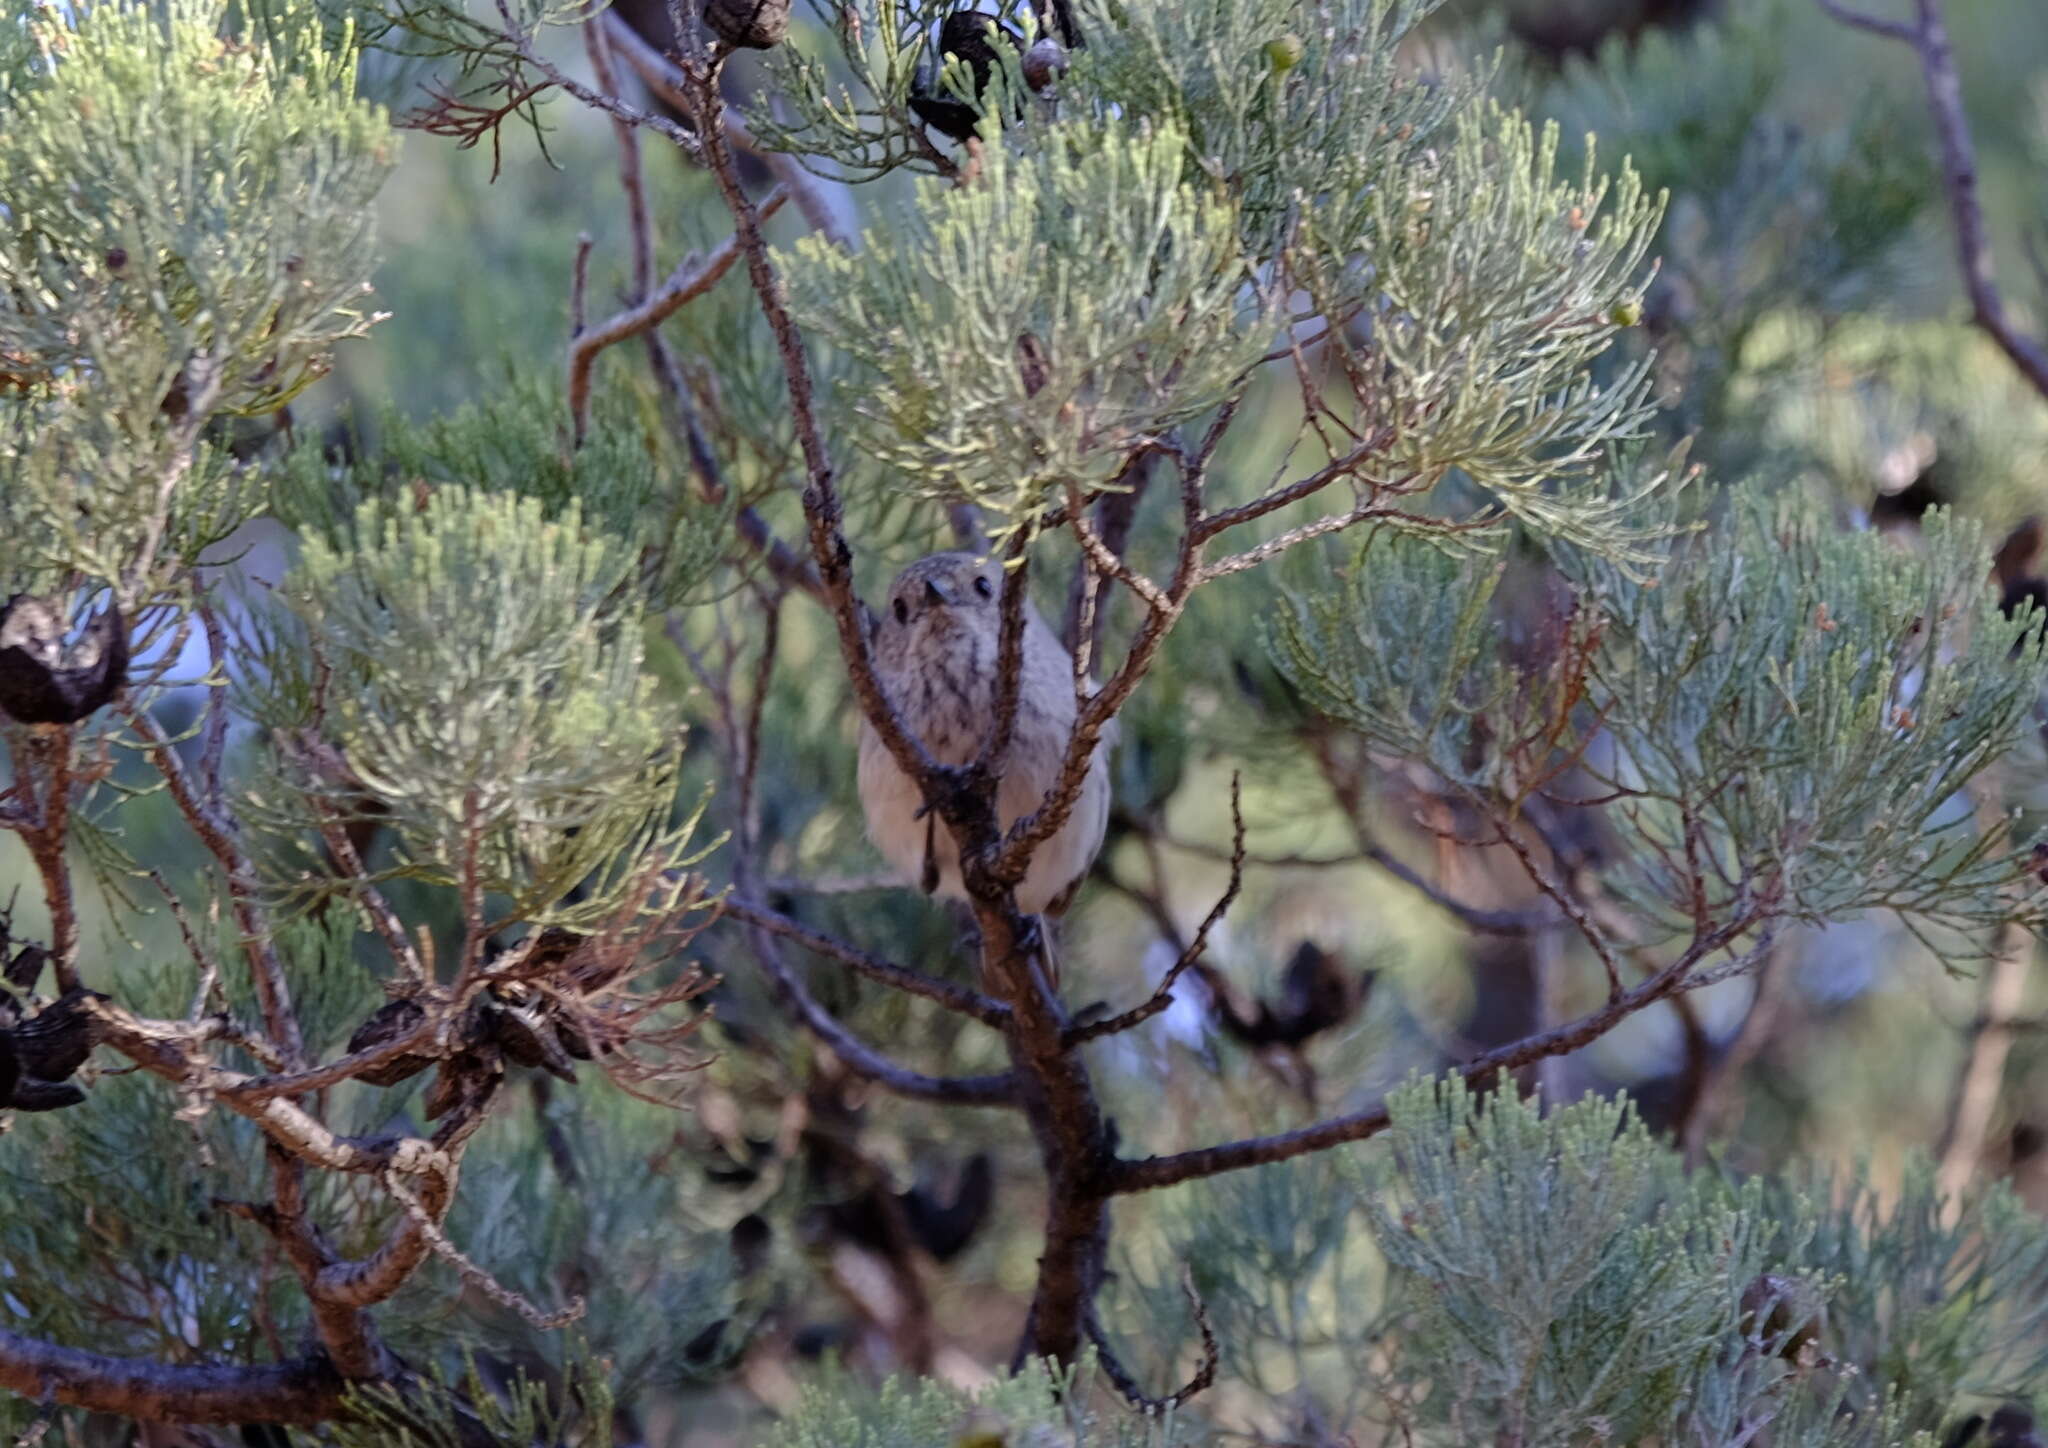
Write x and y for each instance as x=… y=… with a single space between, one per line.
x=1300 y=147
x=1037 y=1408
x=1769 y=212
x=1810 y=706
x=1790 y=715
x=1541 y=1265
x=471 y=1411
x=1500 y=284
x=626 y=478
x=987 y=371
x=471 y=671
x=1940 y=1300
x=187 y=231
x=858 y=124
x=1496 y=1271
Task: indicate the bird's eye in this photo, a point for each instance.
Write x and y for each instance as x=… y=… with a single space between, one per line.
x=983 y=587
x=902 y=611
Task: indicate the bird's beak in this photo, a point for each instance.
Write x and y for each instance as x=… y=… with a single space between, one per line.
x=937 y=592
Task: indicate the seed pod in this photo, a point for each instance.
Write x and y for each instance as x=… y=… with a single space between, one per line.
x=45 y=681
x=1284 y=54
x=465 y=1077
x=33 y=1095
x=52 y=1044
x=1783 y=1310
x=388 y=1023
x=26 y=968
x=525 y=1035
x=748 y=24
x=1044 y=62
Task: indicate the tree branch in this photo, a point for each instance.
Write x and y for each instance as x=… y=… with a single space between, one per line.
x=1162 y=997
x=864 y=1060
x=1929 y=39
x=304 y=1390
x=216 y=832
x=690 y=280
x=953 y=997
x=1120 y=1377
x=1153 y=1172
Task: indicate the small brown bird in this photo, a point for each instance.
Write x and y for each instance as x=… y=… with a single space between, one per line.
x=935 y=652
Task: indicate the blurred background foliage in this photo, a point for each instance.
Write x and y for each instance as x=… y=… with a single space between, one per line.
x=1805 y=322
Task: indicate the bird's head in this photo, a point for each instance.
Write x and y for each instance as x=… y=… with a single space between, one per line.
x=944 y=594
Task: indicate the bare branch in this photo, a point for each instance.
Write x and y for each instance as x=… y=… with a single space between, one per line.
x=1228 y=518
x=579 y=285
x=690 y=280
x=470 y=1272
x=1162 y=997
x=1982 y=1072
x=662 y=77
x=953 y=997
x=1205 y=1372
x=631 y=114
x=1930 y=41
x=1876 y=25
x=1164 y=1171
x=217 y=833
x=864 y=1060
x=995 y=753
x=304 y=1390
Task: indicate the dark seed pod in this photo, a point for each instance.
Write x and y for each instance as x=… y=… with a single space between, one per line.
x=389 y=1022
x=33 y=1095
x=42 y=681
x=1317 y=994
x=26 y=968
x=574 y=1042
x=964 y=34
x=53 y=1043
x=748 y=24
x=1783 y=1310
x=463 y=1078
x=1044 y=62
x=2012 y=1426
x=525 y=1035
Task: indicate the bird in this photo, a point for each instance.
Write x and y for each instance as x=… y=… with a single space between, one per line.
x=935 y=648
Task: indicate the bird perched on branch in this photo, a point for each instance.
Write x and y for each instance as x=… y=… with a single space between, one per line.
x=935 y=647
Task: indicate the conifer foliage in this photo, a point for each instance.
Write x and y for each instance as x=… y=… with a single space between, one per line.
x=377 y=901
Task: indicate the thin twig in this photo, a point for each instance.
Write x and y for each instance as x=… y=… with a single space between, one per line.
x=1225 y=519
x=217 y=832
x=474 y=1274
x=1121 y=1378
x=690 y=280
x=953 y=997
x=1929 y=39
x=1162 y=997
x=1153 y=1172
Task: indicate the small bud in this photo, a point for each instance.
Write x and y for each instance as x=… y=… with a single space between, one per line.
x=1284 y=54
x=1044 y=62
x=1625 y=314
